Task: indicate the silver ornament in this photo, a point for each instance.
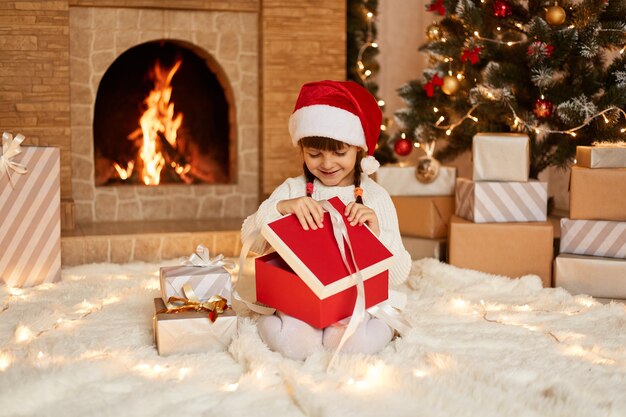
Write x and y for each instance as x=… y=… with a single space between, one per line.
x=427 y=169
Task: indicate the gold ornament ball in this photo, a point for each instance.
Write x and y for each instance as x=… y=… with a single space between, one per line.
x=555 y=15
x=451 y=84
x=433 y=32
x=427 y=169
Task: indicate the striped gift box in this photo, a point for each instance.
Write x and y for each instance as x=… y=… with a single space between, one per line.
x=593 y=237
x=501 y=202
x=30 y=230
x=206 y=281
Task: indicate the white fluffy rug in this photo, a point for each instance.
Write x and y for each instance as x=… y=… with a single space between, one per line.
x=480 y=346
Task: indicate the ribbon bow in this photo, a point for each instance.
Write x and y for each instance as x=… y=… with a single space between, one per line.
x=214 y=306
x=471 y=55
x=201 y=258
x=429 y=87
x=11 y=148
x=437 y=6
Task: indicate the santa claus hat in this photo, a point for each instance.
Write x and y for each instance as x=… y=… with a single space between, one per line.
x=340 y=110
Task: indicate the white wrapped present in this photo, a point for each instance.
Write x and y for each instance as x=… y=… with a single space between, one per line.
x=603 y=155
x=399 y=180
x=501 y=157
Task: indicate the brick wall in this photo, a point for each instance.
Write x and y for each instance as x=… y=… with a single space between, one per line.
x=34 y=76
x=303 y=41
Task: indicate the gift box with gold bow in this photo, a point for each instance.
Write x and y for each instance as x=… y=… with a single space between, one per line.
x=30 y=200
x=191 y=326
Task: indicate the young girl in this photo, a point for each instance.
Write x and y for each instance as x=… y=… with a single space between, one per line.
x=334 y=124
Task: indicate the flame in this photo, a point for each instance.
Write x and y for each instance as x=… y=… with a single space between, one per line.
x=124 y=173
x=158 y=118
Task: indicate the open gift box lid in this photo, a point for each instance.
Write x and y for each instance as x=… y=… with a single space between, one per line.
x=315 y=257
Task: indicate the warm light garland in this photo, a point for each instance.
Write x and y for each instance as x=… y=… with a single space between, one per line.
x=519 y=121
x=571 y=131
x=365 y=74
x=496 y=41
x=370 y=42
x=449 y=128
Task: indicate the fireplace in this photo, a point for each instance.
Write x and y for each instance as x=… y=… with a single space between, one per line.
x=194 y=76
x=162 y=116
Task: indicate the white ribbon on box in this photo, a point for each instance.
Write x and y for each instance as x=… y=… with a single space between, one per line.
x=173 y=285
x=384 y=311
x=11 y=148
x=201 y=258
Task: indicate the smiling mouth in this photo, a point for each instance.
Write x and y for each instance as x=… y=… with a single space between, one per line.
x=329 y=172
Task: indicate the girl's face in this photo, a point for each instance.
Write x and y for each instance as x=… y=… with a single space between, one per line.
x=332 y=167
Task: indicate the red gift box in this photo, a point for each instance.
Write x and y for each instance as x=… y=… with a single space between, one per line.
x=306 y=277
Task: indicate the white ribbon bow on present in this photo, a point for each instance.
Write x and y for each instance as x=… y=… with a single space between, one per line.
x=10 y=148
x=201 y=258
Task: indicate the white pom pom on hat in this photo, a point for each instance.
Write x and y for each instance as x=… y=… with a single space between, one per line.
x=340 y=110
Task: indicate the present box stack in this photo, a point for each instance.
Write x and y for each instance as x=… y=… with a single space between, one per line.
x=500 y=224
x=188 y=330
x=592 y=257
x=423 y=210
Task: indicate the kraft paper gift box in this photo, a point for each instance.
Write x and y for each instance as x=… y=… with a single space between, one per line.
x=501 y=157
x=509 y=249
x=400 y=180
x=205 y=281
x=306 y=277
x=192 y=331
x=601 y=156
x=420 y=248
x=426 y=217
x=591 y=275
x=30 y=230
x=597 y=193
x=593 y=237
x=501 y=202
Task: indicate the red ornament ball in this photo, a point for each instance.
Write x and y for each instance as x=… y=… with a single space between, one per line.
x=501 y=8
x=542 y=108
x=403 y=147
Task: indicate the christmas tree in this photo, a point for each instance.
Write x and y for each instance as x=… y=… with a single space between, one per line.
x=363 y=67
x=556 y=72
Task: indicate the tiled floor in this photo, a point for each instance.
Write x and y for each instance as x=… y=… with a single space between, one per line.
x=148 y=241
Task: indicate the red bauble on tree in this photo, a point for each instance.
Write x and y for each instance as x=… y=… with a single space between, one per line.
x=501 y=8
x=542 y=107
x=403 y=147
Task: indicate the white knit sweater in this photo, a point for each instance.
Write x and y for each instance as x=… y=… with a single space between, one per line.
x=374 y=196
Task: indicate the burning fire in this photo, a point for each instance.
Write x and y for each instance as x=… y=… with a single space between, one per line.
x=158 y=131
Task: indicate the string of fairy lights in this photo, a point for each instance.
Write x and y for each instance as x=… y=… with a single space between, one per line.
x=555 y=15
x=365 y=74
x=367 y=377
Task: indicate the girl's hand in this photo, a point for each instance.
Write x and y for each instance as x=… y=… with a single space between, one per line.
x=308 y=211
x=360 y=214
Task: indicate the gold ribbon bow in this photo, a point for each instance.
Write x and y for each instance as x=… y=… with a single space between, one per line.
x=11 y=148
x=214 y=306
